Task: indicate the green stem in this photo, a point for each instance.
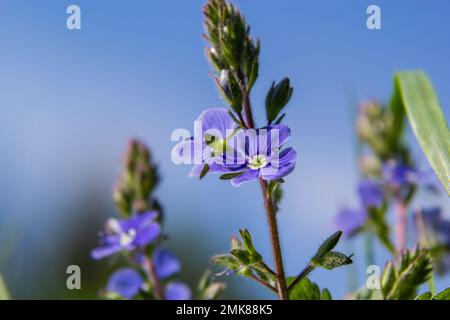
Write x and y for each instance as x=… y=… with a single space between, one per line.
x=310 y=267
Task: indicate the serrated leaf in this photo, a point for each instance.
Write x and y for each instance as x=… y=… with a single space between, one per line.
x=332 y=260
x=427 y=120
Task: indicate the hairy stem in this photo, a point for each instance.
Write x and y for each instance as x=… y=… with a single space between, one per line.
x=400 y=210
x=268 y=204
x=158 y=290
x=275 y=239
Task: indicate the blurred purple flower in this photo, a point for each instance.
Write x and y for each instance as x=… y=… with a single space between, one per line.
x=166 y=263
x=258 y=155
x=177 y=291
x=436 y=225
x=397 y=175
x=127 y=234
x=350 y=220
x=370 y=193
x=126 y=282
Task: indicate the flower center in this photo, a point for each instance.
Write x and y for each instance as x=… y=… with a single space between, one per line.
x=127 y=237
x=257 y=162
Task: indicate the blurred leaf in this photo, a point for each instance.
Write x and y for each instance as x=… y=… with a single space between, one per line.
x=443 y=295
x=424 y=296
x=413 y=269
x=377 y=220
x=209 y=289
x=326 y=295
x=4 y=292
x=427 y=120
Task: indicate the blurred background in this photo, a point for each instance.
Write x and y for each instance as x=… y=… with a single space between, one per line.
x=70 y=101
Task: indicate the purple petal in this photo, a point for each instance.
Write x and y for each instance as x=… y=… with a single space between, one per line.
x=217 y=119
x=125 y=282
x=280 y=167
x=370 y=193
x=189 y=151
x=147 y=234
x=139 y=221
x=105 y=251
x=245 y=177
x=350 y=220
x=177 y=291
x=279 y=134
x=166 y=263
x=397 y=174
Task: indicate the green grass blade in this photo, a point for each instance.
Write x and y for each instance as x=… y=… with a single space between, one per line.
x=427 y=120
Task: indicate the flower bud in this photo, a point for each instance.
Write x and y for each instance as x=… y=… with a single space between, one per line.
x=277 y=98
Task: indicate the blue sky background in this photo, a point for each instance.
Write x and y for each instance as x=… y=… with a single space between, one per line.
x=70 y=100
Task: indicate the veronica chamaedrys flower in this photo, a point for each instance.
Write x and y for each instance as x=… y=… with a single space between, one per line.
x=125 y=282
x=166 y=263
x=370 y=193
x=177 y=291
x=127 y=234
x=350 y=220
x=258 y=154
x=208 y=144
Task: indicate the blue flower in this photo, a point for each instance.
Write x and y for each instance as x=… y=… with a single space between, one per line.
x=177 y=291
x=126 y=282
x=370 y=193
x=398 y=175
x=166 y=263
x=128 y=234
x=350 y=220
x=437 y=226
x=209 y=142
x=258 y=155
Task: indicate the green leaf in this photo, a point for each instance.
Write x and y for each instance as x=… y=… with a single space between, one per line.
x=205 y=170
x=427 y=120
x=332 y=260
x=307 y=290
x=326 y=295
x=424 y=296
x=4 y=292
x=328 y=245
x=209 y=289
x=443 y=295
x=226 y=260
x=229 y=176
